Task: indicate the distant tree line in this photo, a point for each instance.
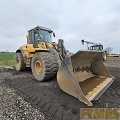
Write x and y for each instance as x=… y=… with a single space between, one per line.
x=6 y=51
x=109 y=50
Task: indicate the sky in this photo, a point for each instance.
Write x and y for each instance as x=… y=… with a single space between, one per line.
x=71 y=20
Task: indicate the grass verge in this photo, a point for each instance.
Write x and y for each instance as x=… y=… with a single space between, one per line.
x=7 y=59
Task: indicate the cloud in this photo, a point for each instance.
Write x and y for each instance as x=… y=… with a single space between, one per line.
x=72 y=20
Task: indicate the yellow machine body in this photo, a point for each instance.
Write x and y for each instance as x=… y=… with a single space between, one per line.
x=29 y=49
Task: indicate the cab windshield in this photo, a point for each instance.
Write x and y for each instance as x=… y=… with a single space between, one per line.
x=44 y=36
x=97 y=47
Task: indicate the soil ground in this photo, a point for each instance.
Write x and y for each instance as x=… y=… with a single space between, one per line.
x=22 y=97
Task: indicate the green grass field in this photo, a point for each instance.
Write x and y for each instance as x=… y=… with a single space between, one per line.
x=7 y=59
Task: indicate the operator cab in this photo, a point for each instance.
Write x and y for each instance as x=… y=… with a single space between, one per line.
x=96 y=47
x=39 y=34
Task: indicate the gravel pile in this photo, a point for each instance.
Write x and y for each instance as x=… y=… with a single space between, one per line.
x=13 y=107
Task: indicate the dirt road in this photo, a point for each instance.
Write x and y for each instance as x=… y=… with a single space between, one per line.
x=47 y=99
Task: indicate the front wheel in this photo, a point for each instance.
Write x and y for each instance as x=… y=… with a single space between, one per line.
x=44 y=66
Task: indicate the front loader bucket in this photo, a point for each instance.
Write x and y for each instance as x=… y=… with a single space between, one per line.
x=84 y=76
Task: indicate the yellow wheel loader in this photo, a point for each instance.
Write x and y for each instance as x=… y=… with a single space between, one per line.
x=82 y=75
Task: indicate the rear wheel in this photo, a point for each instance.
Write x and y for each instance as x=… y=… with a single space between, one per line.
x=19 y=62
x=44 y=66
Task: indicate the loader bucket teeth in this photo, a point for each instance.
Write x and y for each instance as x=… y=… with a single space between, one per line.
x=84 y=76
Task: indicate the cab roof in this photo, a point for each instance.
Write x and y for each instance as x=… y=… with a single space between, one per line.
x=41 y=28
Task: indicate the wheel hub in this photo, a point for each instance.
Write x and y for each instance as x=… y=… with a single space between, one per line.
x=38 y=66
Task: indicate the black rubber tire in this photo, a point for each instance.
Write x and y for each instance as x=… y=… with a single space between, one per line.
x=48 y=63
x=21 y=65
